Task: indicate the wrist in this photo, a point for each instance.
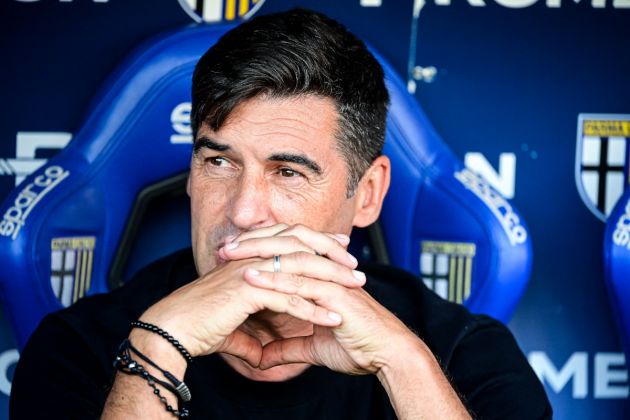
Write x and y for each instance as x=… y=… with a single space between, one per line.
x=159 y=350
x=417 y=387
x=406 y=360
x=161 y=317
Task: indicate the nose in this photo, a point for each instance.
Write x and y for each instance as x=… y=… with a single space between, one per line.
x=249 y=204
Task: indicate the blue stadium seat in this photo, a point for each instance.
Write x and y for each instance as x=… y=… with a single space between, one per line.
x=617 y=265
x=79 y=224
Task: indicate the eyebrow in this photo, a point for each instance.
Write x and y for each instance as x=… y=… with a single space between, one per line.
x=276 y=157
x=209 y=144
x=297 y=159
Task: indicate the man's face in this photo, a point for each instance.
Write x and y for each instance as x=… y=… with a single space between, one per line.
x=273 y=161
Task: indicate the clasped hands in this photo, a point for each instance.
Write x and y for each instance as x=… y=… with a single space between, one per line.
x=317 y=283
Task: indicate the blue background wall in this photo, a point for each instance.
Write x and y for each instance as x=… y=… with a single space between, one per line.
x=512 y=78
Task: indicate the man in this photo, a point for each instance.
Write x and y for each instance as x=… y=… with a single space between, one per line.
x=289 y=117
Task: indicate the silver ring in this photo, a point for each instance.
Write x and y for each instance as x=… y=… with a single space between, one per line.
x=276 y=263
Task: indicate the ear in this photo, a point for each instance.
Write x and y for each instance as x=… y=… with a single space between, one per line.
x=371 y=192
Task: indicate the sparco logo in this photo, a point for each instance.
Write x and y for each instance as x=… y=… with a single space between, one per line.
x=499 y=206
x=621 y=235
x=15 y=217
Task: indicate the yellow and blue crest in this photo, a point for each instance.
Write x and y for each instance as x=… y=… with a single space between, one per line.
x=602 y=160
x=447 y=267
x=216 y=11
x=71 y=262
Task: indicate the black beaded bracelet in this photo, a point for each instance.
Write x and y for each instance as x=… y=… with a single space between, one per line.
x=157 y=330
x=181 y=389
x=125 y=364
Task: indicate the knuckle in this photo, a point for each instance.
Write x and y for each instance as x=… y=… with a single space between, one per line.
x=294 y=300
x=299 y=227
x=295 y=241
x=307 y=255
x=333 y=243
x=295 y=281
x=289 y=230
x=301 y=258
x=283 y=226
x=275 y=277
x=302 y=228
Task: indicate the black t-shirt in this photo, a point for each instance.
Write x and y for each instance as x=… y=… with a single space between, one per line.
x=66 y=370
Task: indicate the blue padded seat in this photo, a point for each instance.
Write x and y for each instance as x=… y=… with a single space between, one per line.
x=617 y=265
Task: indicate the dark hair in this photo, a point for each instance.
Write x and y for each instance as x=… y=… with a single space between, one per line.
x=298 y=52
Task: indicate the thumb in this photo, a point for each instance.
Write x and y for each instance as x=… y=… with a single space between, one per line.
x=243 y=346
x=290 y=350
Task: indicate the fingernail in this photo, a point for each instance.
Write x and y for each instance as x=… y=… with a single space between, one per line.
x=342 y=238
x=254 y=272
x=334 y=316
x=352 y=259
x=230 y=246
x=230 y=238
x=358 y=275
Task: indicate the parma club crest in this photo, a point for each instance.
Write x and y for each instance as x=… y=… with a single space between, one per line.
x=602 y=159
x=446 y=268
x=71 y=262
x=215 y=11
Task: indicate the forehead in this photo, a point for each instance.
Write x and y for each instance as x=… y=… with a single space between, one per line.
x=301 y=121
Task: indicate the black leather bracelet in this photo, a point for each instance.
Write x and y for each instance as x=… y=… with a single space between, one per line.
x=159 y=331
x=124 y=363
x=181 y=389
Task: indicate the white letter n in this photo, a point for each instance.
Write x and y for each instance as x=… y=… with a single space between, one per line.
x=504 y=180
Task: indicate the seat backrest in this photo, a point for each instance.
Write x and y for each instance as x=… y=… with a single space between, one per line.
x=617 y=265
x=78 y=225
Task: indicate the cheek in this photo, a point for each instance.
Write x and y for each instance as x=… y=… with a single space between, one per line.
x=207 y=207
x=320 y=210
x=287 y=207
x=207 y=202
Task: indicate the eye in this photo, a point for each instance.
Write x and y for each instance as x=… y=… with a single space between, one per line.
x=217 y=161
x=219 y=166
x=289 y=173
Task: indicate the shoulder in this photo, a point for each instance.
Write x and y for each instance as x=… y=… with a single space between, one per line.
x=478 y=353
x=101 y=321
x=439 y=323
x=129 y=301
x=70 y=353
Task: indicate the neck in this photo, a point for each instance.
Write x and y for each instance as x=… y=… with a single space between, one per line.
x=269 y=326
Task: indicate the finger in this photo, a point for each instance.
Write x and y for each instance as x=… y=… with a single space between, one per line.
x=295 y=306
x=264 y=247
x=243 y=346
x=322 y=293
x=261 y=232
x=343 y=239
x=290 y=350
x=320 y=268
x=267 y=247
x=289 y=284
x=331 y=245
x=306 y=264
